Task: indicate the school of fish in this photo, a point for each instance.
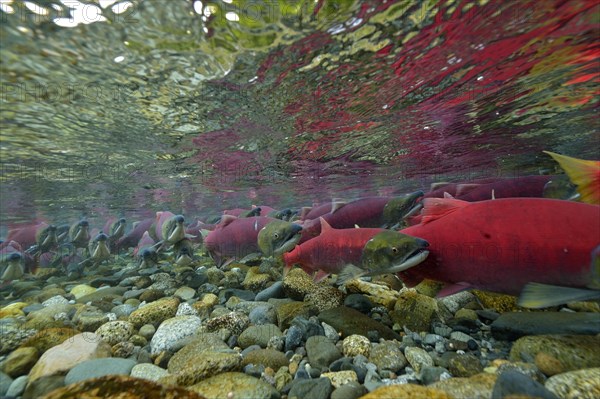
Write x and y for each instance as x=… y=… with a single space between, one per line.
x=495 y=234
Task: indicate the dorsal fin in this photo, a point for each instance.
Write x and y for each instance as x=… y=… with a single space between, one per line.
x=435 y=208
x=337 y=204
x=462 y=189
x=447 y=195
x=325 y=226
x=225 y=220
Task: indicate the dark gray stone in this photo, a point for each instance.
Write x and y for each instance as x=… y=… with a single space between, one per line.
x=293 y=338
x=95 y=368
x=351 y=390
x=321 y=351
x=350 y=321
x=319 y=388
x=359 y=302
x=514 y=383
x=510 y=326
x=430 y=374
x=242 y=294
x=42 y=386
x=274 y=291
x=5 y=382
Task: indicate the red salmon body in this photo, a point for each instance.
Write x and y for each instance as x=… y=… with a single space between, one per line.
x=483 y=189
x=501 y=245
x=26 y=235
x=236 y=237
x=364 y=212
x=133 y=237
x=331 y=250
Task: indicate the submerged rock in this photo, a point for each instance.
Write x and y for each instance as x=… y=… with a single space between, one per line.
x=239 y=385
x=349 y=321
x=579 y=384
x=510 y=326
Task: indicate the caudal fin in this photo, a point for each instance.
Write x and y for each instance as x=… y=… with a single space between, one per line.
x=584 y=174
x=536 y=296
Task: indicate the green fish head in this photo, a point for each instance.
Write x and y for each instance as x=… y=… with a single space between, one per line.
x=398 y=208
x=173 y=229
x=118 y=228
x=47 y=238
x=79 y=233
x=278 y=237
x=560 y=187
x=392 y=252
x=99 y=248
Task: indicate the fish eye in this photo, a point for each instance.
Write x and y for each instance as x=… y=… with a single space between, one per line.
x=394 y=250
x=276 y=235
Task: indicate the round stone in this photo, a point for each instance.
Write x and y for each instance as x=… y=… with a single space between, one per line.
x=355 y=344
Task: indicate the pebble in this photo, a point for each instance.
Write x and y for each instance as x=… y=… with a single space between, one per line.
x=61 y=358
x=123 y=310
x=185 y=293
x=349 y=321
x=172 y=330
x=464 y=366
x=20 y=361
x=418 y=358
x=185 y=309
x=259 y=335
x=236 y=322
x=55 y=300
x=319 y=388
x=154 y=312
x=17 y=387
x=5 y=383
x=293 y=338
x=430 y=374
x=95 y=368
x=296 y=284
x=114 y=332
x=359 y=302
x=351 y=390
x=274 y=291
x=239 y=384
x=514 y=383
x=387 y=356
x=578 y=384
x=479 y=386
x=266 y=357
x=264 y=314
x=148 y=371
x=411 y=391
x=339 y=378
x=321 y=351
x=510 y=326
x=355 y=344
x=572 y=351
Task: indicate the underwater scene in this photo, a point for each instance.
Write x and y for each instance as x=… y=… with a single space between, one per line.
x=299 y=199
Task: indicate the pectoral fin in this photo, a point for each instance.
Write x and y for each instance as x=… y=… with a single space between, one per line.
x=350 y=272
x=453 y=289
x=536 y=296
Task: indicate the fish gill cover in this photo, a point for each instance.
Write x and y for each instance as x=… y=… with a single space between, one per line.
x=134 y=106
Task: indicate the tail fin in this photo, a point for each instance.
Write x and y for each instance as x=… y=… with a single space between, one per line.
x=584 y=174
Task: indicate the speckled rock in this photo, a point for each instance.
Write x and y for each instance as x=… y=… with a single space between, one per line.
x=172 y=330
x=499 y=302
x=13 y=335
x=103 y=294
x=55 y=300
x=20 y=361
x=321 y=351
x=414 y=311
x=286 y=312
x=95 y=368
x=572 y=351
x=89 y=318
x=49 y=337
x=42 y=386
x=465 y=365
x=114 y=332
x=354 y=345
x=377 y=293
x=479 y=386
x=123 y=349
x=151 y=295
x=296 y=284
x=325 y=297
x=61 y=358
x=185 y=309
x=349 y=321
x=114 y=386
x=339 y=378
x=579 y=384
x=254 y=280
x=418 y=358
x=154 y=312
x=190 y=363
x=148 y=371
x=81 y=290
x=13 y=310
x=258 y=335
x=407 y=391
x=239 y=384
x=387 y=356
x=236 y=322
x=267 y=357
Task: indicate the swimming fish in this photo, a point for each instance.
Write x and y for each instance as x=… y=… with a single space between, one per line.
x=369 y=212
x=99 y=251
x=584 y=174
x=145 y=251
x=132 y=238
x=501 y=245
x=237 y=237
x=115 y=229
x=79 y=234
x=370 y=251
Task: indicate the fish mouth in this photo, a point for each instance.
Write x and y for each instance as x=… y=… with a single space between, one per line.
x=292 y=239
x=177 y=234
x=414 y=210
x=417 y=256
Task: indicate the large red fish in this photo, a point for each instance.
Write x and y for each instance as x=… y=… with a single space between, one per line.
x=501 y=245
x=369 y=212
x=374 y=250
x=132 y=238
x=238 y=237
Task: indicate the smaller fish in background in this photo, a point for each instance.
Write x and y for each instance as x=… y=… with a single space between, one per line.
x=79 y=234
x=584 y=174
x=184 y=252
x=99 y=251
x=115 y=229
x=145 y=251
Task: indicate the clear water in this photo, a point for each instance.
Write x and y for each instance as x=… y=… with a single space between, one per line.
x=198 y=107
